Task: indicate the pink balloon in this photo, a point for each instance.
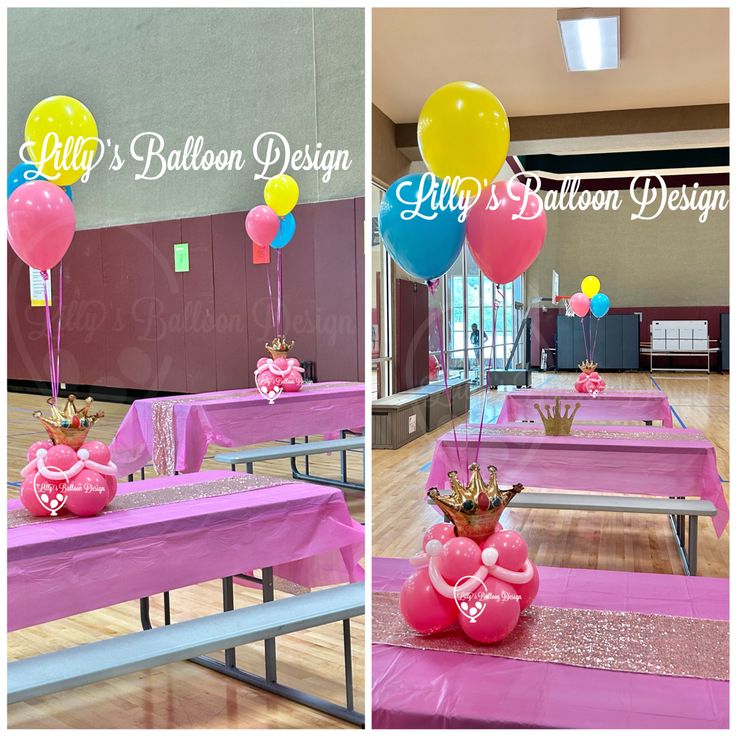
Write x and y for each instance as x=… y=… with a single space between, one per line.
x=423 y=608
x=292 y=382
x=580 y=304
x=262 y=224
x=460 y=557
x=528 y=591
x=266 y=381
x=441 y=532
x=40 y=445
x=503 y=247
x=41 y=223
x=29 y=499
x=87 y=493
x=112 y=486
x=98 y=451
x=511 y=547
x=261 y=361
x=60 y=457
x=498 y=617
x=281 y=363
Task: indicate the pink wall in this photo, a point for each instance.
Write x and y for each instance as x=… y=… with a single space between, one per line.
x=544 y=325
x=130 y=322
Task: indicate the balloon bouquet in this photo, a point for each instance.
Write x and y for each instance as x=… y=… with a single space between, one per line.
x=590 y=300
x=472 y=571
x=65 y=471
x=273 y=224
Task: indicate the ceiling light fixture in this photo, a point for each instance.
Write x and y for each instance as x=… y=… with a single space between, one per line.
x=590 y=38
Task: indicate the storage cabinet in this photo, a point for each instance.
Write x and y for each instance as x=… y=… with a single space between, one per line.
x=613 y=342
x=398 y=419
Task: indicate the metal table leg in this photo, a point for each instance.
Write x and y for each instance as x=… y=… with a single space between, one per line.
x=269 y=644
x=297 y=474
x=692 y=545
x=269 y=682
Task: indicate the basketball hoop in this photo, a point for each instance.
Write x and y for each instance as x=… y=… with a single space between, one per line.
x=566 y=303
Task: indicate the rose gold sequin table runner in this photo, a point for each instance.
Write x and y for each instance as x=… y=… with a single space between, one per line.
x=626 y=641
x=174 y=432
x=594 y=653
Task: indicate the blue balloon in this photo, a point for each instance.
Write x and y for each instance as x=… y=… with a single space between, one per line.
x=287 y=228
x=424 y=248
x=599 y=305
x=20 y=175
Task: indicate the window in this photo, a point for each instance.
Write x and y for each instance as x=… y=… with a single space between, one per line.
x=468 y=298
x=461 y=319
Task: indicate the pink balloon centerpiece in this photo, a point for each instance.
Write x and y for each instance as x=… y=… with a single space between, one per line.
x=589 y=381
x=278 y=373
x=66 y=471
x=472 y=574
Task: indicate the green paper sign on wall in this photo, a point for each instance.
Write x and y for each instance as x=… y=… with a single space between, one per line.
x=181 y=257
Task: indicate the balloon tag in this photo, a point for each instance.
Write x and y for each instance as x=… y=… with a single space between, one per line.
x=39 y=284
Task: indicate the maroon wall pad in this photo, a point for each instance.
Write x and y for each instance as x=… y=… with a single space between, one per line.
x=131 y=322
x=297 y=264
x=231 y=300
x=127 y=276
x=404 y=337
x=85 y=306
x=168 y=307
x=334 y=280
x=360 y=282
x=421 y=335
x=199 y=305
x=27 y=351
x=260 y=324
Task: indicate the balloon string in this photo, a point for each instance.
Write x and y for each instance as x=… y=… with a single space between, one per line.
x=585 y=339
x=443 y=360
x=49 y=338
x=279 y=305
x=493 y=367
x=270 y=300
x=595 y=339
x=58 y=328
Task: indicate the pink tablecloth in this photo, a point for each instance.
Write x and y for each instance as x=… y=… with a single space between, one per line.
x=235 y=419
x=652 y=461
x=68 y=566
x=610 y=406
x=425 y=689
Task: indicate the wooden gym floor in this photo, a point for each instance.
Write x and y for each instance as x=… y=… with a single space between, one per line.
x=606 y=541
x=182 y=695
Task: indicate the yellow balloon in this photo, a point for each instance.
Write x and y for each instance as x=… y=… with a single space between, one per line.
x=590 y=286
x=68 y=119
x=463 y=131
x=281 y=194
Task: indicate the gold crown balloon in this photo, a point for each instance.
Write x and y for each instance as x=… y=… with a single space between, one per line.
x=278 y=347
x=70 y=425
x=474 y=508
x=555 y=422
x=588 y=367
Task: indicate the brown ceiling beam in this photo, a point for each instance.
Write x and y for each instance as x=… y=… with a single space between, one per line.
x=594 y=124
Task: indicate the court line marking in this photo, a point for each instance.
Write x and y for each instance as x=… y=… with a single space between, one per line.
x=679 y=419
